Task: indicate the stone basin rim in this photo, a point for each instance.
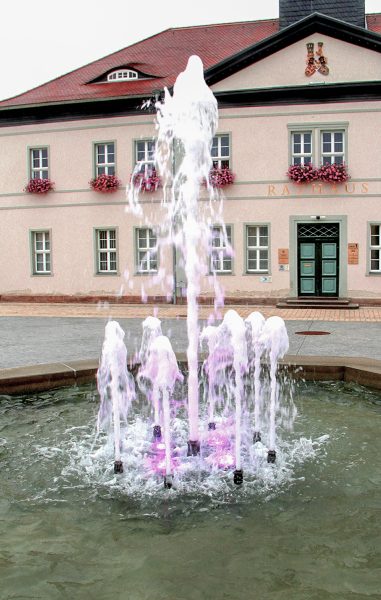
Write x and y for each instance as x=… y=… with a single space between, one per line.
x=45 y=376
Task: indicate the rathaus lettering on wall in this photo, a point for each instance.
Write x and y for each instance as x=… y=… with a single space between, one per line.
x=314 y=189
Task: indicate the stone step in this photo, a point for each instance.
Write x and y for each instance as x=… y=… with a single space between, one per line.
x=328 y=303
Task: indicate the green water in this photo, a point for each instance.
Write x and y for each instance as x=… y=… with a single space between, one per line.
x=65 y=534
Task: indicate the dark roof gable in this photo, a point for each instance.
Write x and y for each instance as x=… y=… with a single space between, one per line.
x=315 y=22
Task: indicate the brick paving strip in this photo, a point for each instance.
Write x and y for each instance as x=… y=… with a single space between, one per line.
x=170 y=311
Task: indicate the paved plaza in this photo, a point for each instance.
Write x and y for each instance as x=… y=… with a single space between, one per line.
x=34 y=334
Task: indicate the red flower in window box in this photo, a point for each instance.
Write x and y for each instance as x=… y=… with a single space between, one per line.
x=105 y=183
x=302 y=173
x=219 y=177
x=146 y=183
x=39 y=186
x=333 y=173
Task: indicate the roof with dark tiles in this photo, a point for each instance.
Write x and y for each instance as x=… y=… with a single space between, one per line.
x=350 y=11
x=160 y=58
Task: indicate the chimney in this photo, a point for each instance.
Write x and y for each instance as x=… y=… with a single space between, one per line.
x=350 y=11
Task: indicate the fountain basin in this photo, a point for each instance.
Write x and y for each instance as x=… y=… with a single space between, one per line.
x=68 y=529
x=19 y=380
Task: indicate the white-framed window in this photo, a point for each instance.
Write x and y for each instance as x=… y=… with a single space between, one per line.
x=39 y=163
x=122 y=75
x=220 y=151
x=221 y=259
x=332 y=145
x=146 y=250
x=318 y=143
x=41 y=252
x=105 y=159
x=375 y=248
x=145 y=157
x=106 y=260
x=301 y=144
x=257 y=249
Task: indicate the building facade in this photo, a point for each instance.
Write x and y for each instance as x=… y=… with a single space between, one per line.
x=301 y=90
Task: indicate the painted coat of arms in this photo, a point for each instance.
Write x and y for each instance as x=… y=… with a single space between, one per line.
x=316 y=61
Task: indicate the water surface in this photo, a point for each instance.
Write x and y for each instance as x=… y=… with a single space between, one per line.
x=67 y=532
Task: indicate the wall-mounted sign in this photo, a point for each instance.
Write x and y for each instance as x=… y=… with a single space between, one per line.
x=283 y=256
x=353 y=254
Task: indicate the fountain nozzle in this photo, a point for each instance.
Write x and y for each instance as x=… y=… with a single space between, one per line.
x=256 y=437
x=168 y=481
x=193 y=448
x=118 y=466
x=211 y=426
x=271 y=456
x=157 y=432
x=238 y=476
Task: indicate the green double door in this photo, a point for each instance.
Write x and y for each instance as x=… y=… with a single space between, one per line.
x=318 y=261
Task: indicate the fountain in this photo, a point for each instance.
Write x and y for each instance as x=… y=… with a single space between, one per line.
x=232 y=371
x=65 y=514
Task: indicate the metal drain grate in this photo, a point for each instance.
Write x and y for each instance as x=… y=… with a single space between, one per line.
x=312 y=333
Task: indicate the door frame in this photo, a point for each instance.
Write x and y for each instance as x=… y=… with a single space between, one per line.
x=294 y=221
x=317 y=261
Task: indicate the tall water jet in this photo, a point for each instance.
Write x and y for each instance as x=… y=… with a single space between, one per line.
x=235 y=326
x=275 y=342
x=116 y=387
x=254 y=325
x=160 y=369
x=209 y=335
x=187 y=121
x=151 y=330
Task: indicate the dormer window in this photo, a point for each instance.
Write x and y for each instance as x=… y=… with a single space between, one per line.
x=122 y=75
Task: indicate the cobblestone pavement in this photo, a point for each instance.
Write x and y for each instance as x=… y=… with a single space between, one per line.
x=33 y=334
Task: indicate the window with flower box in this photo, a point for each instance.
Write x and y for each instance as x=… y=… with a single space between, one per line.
x=41 y=252
x=257 y=248
x=106 y=251
x=38 y=163
x=146 y=251
x=104 y=159
x=375 y=248
x=145 y=157
x=318 y=143
x=220 y=151
x=221 y=259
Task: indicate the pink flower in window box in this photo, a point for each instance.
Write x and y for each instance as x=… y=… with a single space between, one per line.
x=333 y=173
x=219 y=177
x=105 y=183
x=39 y=186
x=302 y=173
x=146 y=183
